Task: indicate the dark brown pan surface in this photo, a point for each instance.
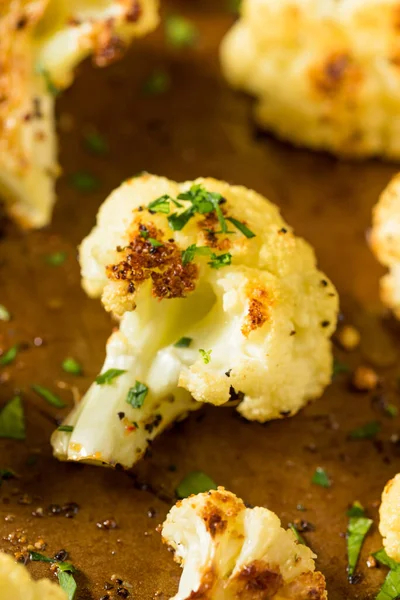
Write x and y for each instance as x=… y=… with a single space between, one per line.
x=198 y=127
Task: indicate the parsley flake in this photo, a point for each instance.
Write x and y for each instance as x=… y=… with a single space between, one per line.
x=390 y=589
x=56 y=258
x=196 y=482
x=137 y=395
x=241 y=227
x=84 y=182
x=65 y=428
x=47 y=395
x=96 y=143
x=67 y=583
x=180 y=32
x=157 y=83
x=70 y=365
x=321 y=478
x=4 y=314
x=357 y=530
x=9 y=356
x=339 y=368
x=160 y=205
x=356 y=510
x=191 y=251
x=206 y=355
x=298 y=537
x=12 y=420
x=155 y=243
x=366 y=432
x=220 y=260
x=108 y=377
x=184 y=342
x=52 y=89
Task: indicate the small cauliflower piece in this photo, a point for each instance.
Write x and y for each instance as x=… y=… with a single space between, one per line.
x=325 y=73
x=215 y=265
x=229 y=551
x=16 y=583
x=389 y=513
x=41 y=42
x=385 y=242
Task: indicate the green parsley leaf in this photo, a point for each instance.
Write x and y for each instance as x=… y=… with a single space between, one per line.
x=384 y=559
x=391 y=410
x=191 y=251
x=180 y=32
x=299 y=537
x=357 y=530
x=356 y=510
x=70 y=365
x=390 y=589
x=4 y=313
x=206 y=355
x=184 y=342
x=234 y=6
x=52 y=89
x=47 y=395
x=56 y=258
x=195 y=483
x=241 y=227
x=157 y=83
x=9 y=356
x=84 y=181
x=366 y=432
x=339 y=368
x=66 y=566
x=66 y=428
x=160 y=205
x=12 y=420
x=137 y=395
x=37 y=557
x=220 y=260
x=96 y=143
x=67 y=583
x=321 y=478
x=177 y=221
x=6 y=474
x=154 y=243
x=108 y=377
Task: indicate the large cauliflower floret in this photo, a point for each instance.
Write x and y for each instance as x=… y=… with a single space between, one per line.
x=385 y=242
x=229 y=551
x=16 y=583
x=41 y=42
x=326 y=73
x=218 y=300
x=389 y=512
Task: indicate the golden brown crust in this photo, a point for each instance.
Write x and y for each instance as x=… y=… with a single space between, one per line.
x=142 y=260
x=257 y=315
x=336 y=75
x=257 y=581
x=309 y=586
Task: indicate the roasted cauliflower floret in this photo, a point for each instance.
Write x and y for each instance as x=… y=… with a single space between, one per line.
x=385 y=242
x=229 y=551
x=16 y=583
x=325 y=73
x=218 y=300
x=389 y=512
x=41 y=42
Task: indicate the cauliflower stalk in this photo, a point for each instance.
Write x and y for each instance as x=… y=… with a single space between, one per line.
x=385 y=242
x=389 y=513
x=41 y=42
x=16 y=583
x=325 y=73
x=229 y=551
x=218 y=301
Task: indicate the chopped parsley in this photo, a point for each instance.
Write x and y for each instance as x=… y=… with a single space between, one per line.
x=52 y=89
x=391 y=410
x=357 y=529
x=366 y=432
x=321 y=478
x=206 y=355
x=108 y=377
x=6 y=474
x=356 y=510
x=220 y=260
x=180 y=32
x=64 y=570
x=390 y=589
x=160 y=205
x=65 y=428
x=49 y=396
x=96 y=143
x=4 y=313
x=37 y=557
x=157 y=83
x=67 y=583
x=241 y=227
x=298 y=537
x=56 y=258
x=70 y=365
x=84 y=181
x=12 y=420
x=339 y=368
x=137 y=395
x=9 y=356
x=216 y=260
x=195 y=483
x=184 y=342
x=155 y=243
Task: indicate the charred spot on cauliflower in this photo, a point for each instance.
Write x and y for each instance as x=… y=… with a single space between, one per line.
x=150 y=259
x=41 y=42
x=325 y=73
x=385 y=243
x=389 y=513
x=229 y=551
x=16 y=583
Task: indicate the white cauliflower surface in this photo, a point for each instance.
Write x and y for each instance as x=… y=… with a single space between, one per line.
x=389 y=513
x=385 y=242
x=218 y=301
x=325 y=73
x=229 y=551
x=41 y=42
x=16 y=583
